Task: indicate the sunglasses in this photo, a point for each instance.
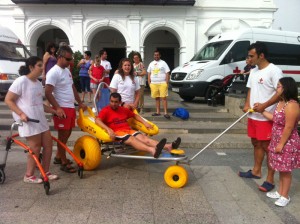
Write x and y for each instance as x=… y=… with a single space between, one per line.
x=67 y=59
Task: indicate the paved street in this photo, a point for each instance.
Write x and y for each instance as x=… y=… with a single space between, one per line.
x=134 y=191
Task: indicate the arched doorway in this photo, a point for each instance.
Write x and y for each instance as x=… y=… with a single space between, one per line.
x=113 y=42
x=164 y=41
x=51 y=35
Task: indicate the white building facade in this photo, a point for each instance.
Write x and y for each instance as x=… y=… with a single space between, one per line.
x=178 y=31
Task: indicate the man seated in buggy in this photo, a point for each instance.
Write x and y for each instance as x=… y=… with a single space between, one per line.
x=113 y=119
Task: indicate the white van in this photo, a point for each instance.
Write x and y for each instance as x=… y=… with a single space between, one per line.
x=12 y=55
x=226 y=54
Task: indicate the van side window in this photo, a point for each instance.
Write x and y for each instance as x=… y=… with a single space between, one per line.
x=283 y=54
x=237 y=53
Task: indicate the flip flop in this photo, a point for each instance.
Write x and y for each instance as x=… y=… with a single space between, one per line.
x=155 y=114
x=167 y=116
x=266 y=186
x=159 y=147
x=176 y=143
x=67 y=168
x=248 y=174
x=58 y=161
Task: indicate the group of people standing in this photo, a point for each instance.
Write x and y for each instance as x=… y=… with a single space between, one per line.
x=129 y=79
x=273 y=126
x=25 y=98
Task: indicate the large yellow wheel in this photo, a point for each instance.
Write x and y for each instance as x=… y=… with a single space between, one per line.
x=176 y=176
x=88 y=151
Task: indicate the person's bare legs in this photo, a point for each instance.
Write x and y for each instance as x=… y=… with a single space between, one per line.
x=63 y=136
x=141 y=102
x=90 y=96
x=34 y=143
x=83 y=95
x=152 y=142
x=259 y=154
x=139 y=145
x=165 y=104
x=47 y=150
x=285 y=180
x=157 y=103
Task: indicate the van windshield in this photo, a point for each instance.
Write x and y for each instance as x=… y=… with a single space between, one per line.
x=13 y=51
x=211 y=51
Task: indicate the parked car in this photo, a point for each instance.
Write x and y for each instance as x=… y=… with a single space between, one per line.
x=12 y=55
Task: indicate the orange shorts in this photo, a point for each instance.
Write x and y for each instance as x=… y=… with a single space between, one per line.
x=65 y=123
x=123 y=135
x=260 y=130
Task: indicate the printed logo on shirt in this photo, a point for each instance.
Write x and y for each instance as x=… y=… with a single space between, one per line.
x=261 y=81
x=61 y=125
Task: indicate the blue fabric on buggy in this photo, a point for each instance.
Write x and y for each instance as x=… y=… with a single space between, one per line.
x=103 y=99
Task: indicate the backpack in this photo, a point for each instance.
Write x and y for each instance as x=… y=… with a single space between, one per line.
x=181 y=113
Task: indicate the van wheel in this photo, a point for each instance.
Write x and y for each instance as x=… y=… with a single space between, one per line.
x=187 y=98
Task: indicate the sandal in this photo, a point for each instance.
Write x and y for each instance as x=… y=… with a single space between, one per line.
x=167 y=116
x=248 y=174
x=159 y=147
x=266 y=186
x=155 y=114
x=58 y=161
x=67 y=168
x=176 y=143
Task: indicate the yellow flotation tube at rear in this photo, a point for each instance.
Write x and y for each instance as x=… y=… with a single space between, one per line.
x=87 y=124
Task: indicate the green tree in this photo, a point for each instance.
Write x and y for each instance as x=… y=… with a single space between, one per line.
x=77 y=57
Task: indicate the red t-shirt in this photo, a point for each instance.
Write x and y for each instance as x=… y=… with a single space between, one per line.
x=97 y=73
x=116 y=119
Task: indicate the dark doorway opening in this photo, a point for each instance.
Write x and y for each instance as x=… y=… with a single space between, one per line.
x=114 y=55
x=168 y=55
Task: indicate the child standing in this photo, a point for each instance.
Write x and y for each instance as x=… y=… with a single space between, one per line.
x=96 y=73
x=284 y=148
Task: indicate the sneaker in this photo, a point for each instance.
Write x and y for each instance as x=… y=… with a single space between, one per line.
x=274 y=195
x=52 y=176
x=282 y=201
x=32 y=180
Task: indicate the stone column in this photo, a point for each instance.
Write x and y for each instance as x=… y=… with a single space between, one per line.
x=187 y=50
x=134 y=32
x=19 y=28
x=77 y=32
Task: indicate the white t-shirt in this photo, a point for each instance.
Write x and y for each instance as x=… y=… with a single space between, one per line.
x=62 y=81
x=106 y=65
x=30 y=101
x=158 y=70
x=126 y=87
x=263 y=85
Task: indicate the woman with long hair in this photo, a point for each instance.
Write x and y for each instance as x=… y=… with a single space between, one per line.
x=25 y=99
x=127 y=84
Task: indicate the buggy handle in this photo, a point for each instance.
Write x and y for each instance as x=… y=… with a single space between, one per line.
x=33 y=120
x=244 y=115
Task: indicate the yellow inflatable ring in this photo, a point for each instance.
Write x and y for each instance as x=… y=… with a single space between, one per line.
x=88 y=151
x=176 y=176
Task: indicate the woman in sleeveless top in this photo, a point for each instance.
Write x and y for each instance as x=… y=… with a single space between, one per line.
x=84 y=65
x=49 y=60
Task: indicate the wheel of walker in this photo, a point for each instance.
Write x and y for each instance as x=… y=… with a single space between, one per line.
x=2 y=176
x=88 y=151
x=176 y=176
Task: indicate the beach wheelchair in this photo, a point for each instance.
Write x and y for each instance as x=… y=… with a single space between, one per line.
x=90 y=148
